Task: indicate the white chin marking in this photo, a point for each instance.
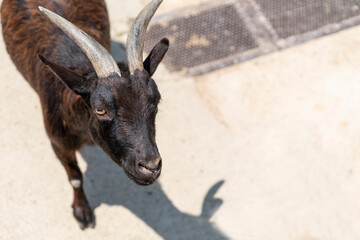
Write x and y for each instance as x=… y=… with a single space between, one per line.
x=76 y=183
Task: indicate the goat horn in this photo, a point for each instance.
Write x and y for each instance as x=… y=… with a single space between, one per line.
x=103 y=63
x=136 y=37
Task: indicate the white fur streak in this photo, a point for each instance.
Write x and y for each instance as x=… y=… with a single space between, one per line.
x=76 y=183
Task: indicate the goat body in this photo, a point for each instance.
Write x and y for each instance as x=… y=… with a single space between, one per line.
x=27 y=33
x=80 y=105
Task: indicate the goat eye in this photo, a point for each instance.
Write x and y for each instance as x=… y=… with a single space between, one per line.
x=100 y=111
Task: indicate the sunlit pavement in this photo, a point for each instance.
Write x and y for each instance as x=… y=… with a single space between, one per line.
x=266 y=149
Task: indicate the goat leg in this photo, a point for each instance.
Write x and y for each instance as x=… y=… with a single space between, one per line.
x=81 y=209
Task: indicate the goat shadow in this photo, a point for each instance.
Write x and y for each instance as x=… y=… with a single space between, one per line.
x=105 y=182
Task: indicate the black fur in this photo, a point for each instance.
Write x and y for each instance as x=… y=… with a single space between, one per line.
x=117 y=112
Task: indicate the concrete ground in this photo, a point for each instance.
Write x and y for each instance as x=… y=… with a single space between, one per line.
x=264 y=150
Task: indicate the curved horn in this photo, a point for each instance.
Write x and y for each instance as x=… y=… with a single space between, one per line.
x=136 y=37
x=103 y=63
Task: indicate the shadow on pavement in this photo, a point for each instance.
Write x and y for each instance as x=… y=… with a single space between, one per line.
x=106 y=183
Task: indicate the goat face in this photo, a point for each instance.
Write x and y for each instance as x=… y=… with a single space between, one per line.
x=122 y=99
x=122 y=123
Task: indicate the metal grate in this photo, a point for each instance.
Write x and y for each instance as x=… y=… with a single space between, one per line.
x=294 y=17
x=203 y=37
x=220 y=33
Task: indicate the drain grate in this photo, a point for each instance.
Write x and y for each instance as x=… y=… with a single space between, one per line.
x=202 y=37
x=293 y=18
x=221 y=33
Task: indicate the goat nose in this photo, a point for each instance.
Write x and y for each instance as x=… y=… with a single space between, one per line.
x=153 y=165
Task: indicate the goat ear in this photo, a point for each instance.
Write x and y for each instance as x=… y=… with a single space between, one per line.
x=156 y=55
x=73 y=80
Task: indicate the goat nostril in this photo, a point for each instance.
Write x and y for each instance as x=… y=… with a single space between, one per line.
x=159 y=165
x=151 y=166
x=144 y=169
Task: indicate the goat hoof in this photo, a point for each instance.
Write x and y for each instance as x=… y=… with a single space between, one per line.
x=83 y=214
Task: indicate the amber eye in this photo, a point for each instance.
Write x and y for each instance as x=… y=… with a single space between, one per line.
x=100 y=111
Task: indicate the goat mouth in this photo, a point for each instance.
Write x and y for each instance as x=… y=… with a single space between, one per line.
x=138 y=180
x=132 y=177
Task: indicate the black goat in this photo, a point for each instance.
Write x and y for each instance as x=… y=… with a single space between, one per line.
x=85 y=95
